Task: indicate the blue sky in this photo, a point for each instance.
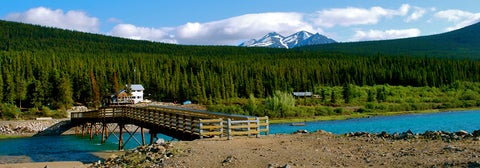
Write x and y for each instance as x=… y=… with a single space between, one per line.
x=220 y=22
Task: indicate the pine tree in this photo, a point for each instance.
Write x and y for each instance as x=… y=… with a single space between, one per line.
x=64 y=98
x=333 y=100
x=116 y=85
x=324 y=95
x=9 y=88
x=20 y=90
x=96 y=90
x=370 y=96
x=347 y=93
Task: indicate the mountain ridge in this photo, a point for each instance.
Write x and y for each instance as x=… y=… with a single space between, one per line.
x=463 y=42
x=298 y=39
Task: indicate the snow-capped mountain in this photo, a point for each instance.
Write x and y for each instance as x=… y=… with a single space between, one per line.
x=272 y=39
x=298 y=39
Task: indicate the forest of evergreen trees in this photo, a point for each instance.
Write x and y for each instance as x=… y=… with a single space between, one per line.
x=58 y=68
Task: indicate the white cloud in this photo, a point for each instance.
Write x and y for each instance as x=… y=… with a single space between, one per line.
x=223 y=32
x=458 y=17
x=231 y=30
x=416 y=14
x=142 y=33
x=73 y=20
x=383 y=35
x=356 y=16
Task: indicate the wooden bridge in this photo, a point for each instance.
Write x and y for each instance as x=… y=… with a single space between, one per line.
x=179 y=123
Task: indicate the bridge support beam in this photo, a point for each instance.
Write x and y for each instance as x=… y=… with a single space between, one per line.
x=153 y=135
x=83 y=130
x=120 y=139
x=143 y=136
x=76 y=130
x=104 y=132
x=91 y=131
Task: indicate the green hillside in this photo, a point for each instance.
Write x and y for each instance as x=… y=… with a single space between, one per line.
x=464 y=42
x=48 y=67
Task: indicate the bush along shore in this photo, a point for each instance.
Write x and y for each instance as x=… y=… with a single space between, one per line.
x=353 y=101
x=234 y=153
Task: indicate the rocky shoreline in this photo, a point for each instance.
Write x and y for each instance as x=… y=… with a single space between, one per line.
x=431 y=135
x=316 y=149
x=27 y=127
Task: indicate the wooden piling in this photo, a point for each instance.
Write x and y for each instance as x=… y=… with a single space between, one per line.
x=152 y=136
x=76 y=130
x=83 y=130
x=104 y=127
x=91 y=131
x=143 y=136
x=120 y=138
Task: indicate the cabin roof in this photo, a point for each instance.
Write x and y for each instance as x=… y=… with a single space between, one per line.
x=137 y=87
x=302 y=94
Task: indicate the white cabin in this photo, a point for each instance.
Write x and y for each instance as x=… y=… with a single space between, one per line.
x=135 y=96
x=137 y=93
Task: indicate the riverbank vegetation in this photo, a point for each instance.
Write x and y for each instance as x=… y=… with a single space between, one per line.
x=45 y=71
x=339 y=102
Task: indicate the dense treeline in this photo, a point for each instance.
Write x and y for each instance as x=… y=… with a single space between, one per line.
x=55 y=68
x=461 y=43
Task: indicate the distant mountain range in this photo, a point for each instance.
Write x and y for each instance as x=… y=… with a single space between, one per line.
x=275 y=40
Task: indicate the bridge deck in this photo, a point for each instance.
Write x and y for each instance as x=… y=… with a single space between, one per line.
x=179 y=123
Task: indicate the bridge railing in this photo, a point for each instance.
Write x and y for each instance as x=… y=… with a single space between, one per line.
x=210 y=127
x=163 y=118
x=190 y=122
x=252 y=126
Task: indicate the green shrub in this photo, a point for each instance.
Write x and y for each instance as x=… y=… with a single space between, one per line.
x=60 y=113
x=323 y=111
x=10 y=111
x=46 y=112
x=370 y=106
x=280 y=102
x=339 y=110
x=362 y=110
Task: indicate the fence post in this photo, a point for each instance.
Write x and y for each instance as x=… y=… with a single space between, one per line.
x=248 y=127
x=258 y=127
x=221 y=128
x=229 y=130
x=267 y=127
x=200 y=128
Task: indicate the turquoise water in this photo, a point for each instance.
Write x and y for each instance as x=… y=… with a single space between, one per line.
x=65 y=147
x=417 y=123
x=78 y=148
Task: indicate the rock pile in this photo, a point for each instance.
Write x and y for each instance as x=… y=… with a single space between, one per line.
x=10 y=129
x=433 y=135
x=153 y=155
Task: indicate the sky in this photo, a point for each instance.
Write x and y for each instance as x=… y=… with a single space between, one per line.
x=222 y=22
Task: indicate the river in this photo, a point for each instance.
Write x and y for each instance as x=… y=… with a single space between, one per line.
x=77 y=148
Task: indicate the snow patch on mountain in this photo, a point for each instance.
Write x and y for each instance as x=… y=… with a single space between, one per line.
x=275 y=40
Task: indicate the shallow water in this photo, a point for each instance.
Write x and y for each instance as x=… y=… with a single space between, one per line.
x=78 y=148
